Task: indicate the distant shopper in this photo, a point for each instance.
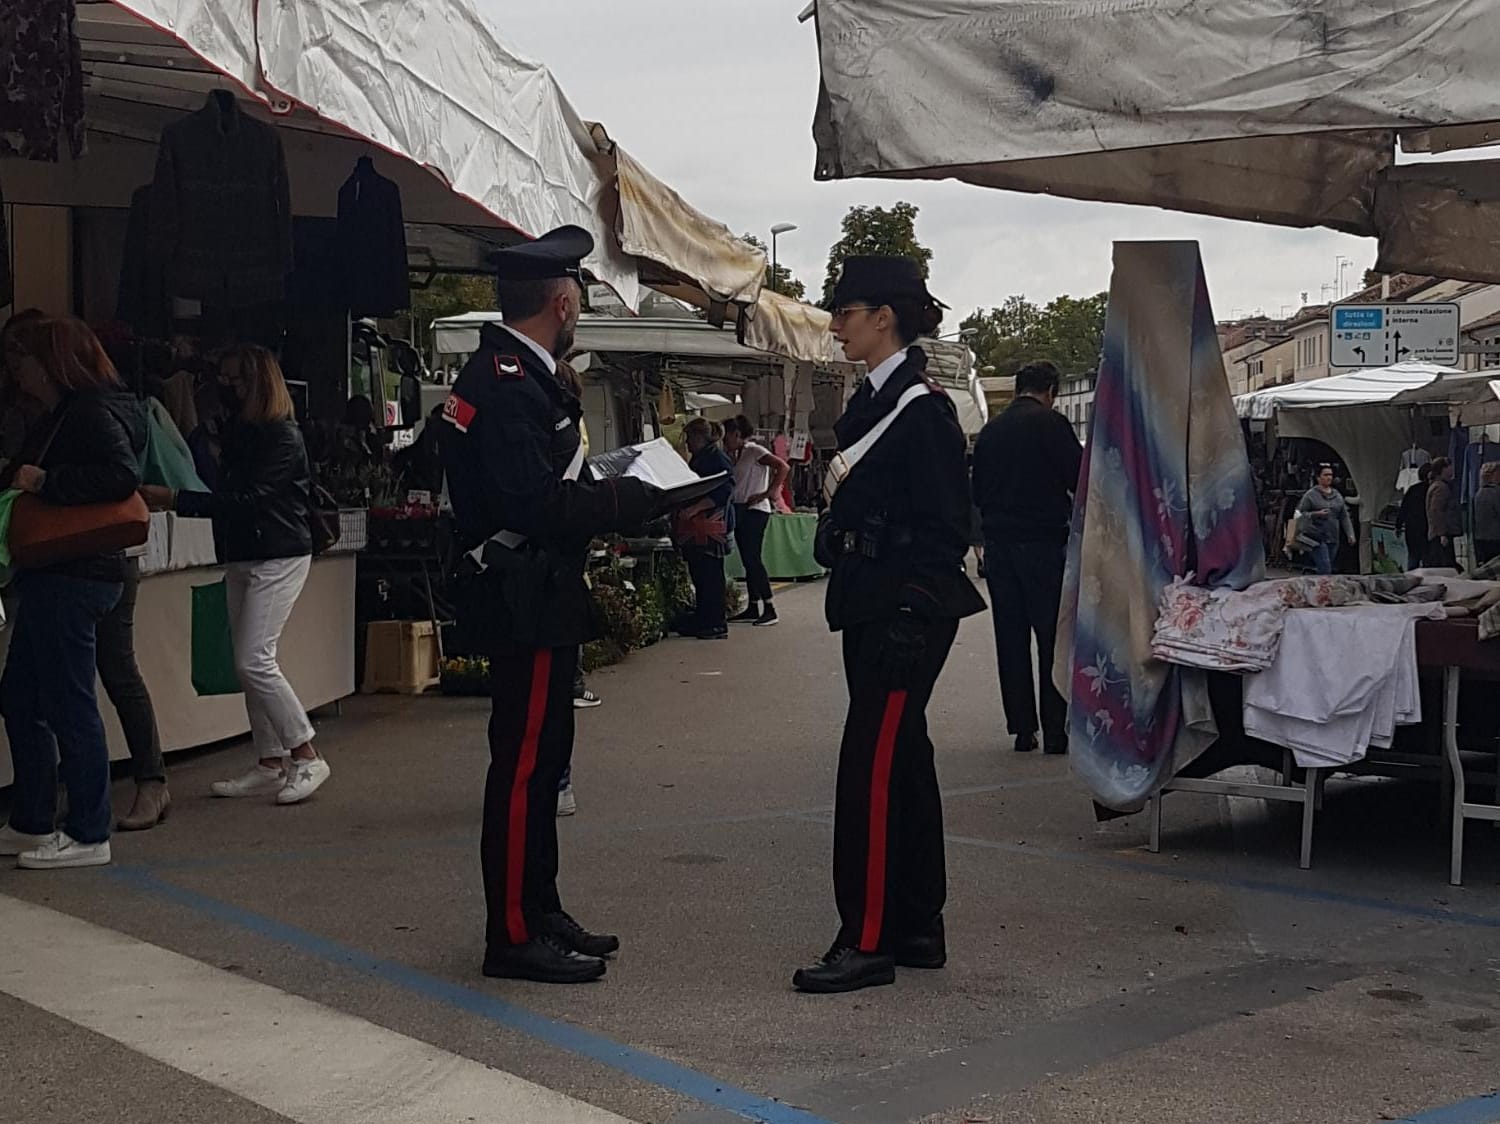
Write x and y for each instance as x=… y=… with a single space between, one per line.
x=86 y=448
x=1411 y=520
x=262 y=515
x=703 y=530
x=758 y=476
x=1444 y=522
x=1487 y=514
x=1026 y=465
x=1328 y=515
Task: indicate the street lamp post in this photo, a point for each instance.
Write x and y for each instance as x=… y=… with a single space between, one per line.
x=777 y=230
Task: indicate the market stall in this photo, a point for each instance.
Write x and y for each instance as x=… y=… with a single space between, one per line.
x=316 y=652
x=787 y=550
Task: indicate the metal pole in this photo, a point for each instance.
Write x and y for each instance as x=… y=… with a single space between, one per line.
x=774 y=275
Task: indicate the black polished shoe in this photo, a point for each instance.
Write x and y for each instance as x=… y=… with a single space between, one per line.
x=543 y=959
x=925 y=950
x=714 y=633
x=576 y=937
x=846 y=969
x=1055 y=747
x=1025 y=743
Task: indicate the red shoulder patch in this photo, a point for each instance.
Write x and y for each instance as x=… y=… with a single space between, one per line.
x=509 y=367
x=459 y=413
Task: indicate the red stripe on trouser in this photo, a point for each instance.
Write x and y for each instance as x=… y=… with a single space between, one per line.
x=515 y=850
x=880 y=805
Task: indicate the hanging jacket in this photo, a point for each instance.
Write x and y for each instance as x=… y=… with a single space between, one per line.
x=221 y=212
x=371 y=244
x=41 y=82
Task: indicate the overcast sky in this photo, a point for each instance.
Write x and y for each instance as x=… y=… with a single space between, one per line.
x=716 y=98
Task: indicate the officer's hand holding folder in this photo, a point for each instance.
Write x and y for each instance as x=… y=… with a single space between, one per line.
x=659 y=465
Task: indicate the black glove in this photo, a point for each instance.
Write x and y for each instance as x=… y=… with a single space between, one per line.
x=902 y=649
x=637 y=502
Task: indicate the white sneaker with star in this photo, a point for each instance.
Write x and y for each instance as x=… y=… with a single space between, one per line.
x=62 y=852
x=303 y=778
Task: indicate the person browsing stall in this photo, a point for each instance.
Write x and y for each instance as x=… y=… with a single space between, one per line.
x=894 y=536
x=758 y=476
x=526 y=510
x=1328 y=513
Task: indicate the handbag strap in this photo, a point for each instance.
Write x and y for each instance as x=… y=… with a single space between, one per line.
x=843 y=462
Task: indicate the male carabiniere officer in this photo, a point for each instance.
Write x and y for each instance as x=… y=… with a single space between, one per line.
x=526 y=509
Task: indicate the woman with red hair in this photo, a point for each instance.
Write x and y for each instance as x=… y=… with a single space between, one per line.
x=86 y=449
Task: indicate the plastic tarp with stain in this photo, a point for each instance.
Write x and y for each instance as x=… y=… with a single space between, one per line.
x=1355 y=388
x=711 y=264
x=1276 y=111
x=789 y=327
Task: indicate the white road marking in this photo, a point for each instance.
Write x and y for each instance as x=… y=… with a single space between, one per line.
x=301 y=1059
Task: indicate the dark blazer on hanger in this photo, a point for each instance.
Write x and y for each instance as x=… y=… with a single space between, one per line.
x=372 y=244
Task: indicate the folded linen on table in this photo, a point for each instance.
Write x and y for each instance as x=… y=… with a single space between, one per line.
x=1344 y=679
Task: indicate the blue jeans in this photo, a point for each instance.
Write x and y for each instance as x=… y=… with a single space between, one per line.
x=1321 y=557
x=51 y=712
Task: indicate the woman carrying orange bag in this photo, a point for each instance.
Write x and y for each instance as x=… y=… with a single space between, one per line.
x=86 y=450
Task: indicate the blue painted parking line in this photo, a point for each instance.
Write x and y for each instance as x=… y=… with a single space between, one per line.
x=628 y=1060
x=1480 y=1110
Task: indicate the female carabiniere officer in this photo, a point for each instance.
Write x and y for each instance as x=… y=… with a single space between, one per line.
x=894 y=536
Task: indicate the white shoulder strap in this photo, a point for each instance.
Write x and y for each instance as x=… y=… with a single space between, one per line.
x=843 y=463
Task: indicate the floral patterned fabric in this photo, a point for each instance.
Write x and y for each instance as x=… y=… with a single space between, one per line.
x=1166 y=491
x=41 y=81
x=1240 y=630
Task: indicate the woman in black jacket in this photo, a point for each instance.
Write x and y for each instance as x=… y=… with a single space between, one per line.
x=895 y=536
x=85 y=450
x=261 y=510
x=704 y=530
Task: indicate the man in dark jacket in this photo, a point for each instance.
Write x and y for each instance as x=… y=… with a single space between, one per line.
x=1026 y=465
x=526 y=511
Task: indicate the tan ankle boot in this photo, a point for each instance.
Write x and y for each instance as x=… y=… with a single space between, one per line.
x=150 y=808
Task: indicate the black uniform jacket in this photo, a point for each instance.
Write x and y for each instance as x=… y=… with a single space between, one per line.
x=904 y=509
x=510 y=430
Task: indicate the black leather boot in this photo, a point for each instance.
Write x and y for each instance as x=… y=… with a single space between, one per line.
x=924 y=950
x=846 y=969
x=1025 y=743
x=543 y=959
x=576 y=937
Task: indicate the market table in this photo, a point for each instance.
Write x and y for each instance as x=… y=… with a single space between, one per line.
x=1455 y=647
x=1451 y=648
x=788 y=549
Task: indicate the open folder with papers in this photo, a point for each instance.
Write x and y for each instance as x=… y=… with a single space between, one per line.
x=657 y=463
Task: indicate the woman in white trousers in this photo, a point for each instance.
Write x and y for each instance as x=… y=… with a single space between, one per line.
x=262 y=514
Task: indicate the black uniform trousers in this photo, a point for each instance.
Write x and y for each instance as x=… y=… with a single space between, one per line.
x=1025 y=581
x=889 y=875
x=531 y=745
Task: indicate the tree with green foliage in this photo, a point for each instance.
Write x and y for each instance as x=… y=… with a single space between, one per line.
x=1069 y=331
x=877 y=231
x=779 y=279
x=449 y=294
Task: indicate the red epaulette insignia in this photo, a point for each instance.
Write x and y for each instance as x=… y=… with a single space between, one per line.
x=509 y=367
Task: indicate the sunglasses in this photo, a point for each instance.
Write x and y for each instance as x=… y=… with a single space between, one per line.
x=840 y=313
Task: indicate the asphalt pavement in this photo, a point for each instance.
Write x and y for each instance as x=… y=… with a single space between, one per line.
x=319 y=963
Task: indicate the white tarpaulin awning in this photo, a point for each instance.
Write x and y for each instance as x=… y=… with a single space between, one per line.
x=1367 y=417
x=1275 y=111
x=1355 y=388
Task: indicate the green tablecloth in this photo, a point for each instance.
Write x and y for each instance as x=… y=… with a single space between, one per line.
x=788 y=550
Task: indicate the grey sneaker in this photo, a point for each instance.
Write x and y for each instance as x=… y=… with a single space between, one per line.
x=13 y=842
x=567 y=805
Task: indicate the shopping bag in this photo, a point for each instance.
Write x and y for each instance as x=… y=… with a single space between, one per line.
x=168 y=461
x=213 y=647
